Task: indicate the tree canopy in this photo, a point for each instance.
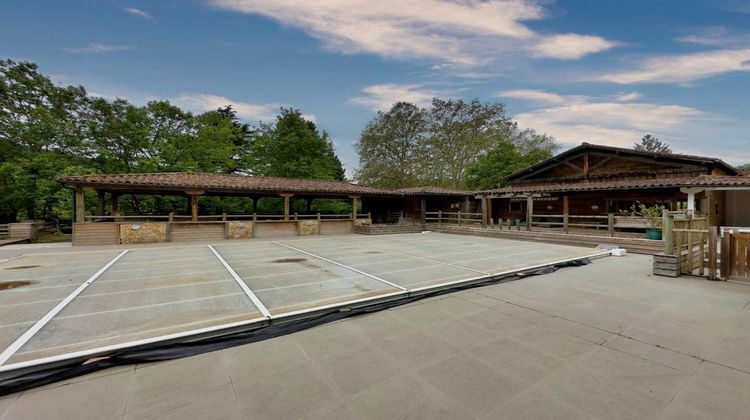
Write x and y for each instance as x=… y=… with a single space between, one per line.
x=452 y=143
x=47 y=131
x=650 y=143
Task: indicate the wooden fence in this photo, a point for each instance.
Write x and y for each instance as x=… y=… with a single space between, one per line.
x=4 y=230
x=735 y=246
x=224 y=217
x=458 y=217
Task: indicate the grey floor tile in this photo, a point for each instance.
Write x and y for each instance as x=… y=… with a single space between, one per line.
x=177 y=379
x=405 y=397
x=294 y=392
x=474 y=385
x=655 y=354
x=533 y=404
x=356 y=370
x=523 y=362
x=216 y=404
x=275 y=353
x=98 y=398
x=327 y=339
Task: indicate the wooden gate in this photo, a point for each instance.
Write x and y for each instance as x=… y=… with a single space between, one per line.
x=735 y=251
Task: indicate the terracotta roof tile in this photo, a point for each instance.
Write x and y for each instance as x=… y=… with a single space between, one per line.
x=232 y=182
x=434 y=191
x=619 y=184
x=223 y=182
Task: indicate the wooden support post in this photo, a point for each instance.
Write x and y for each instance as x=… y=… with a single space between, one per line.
x=611 y=224
x=458 y=217
x=510 y=224
x=295 y=216
x=100 y=204
x=566 y=214
x=355 y=200
x=529 y=212
x=484 y=211
x=255 y=219
x=171 y=217
x=518 y=224
x=489 y=211
x=440 y=217
x=80 y=205
x=586 y=164
x=423 y=210
x=223 y=217
x=667 y=224
x=713 y=238
x=286 y=204
x=194 y=207
x=726 y=252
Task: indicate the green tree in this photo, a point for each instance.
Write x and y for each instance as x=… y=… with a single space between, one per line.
x=491 y=169
x=292 y=147
x=459 y=132
x=389 y=147
x=650 y=143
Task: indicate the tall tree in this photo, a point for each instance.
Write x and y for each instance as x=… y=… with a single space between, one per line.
x=650 y=143
x=389 y=147
x=459 y=132
x=292 y=147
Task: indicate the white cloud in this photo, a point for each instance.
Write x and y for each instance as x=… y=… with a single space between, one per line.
x=138 y=12
x=533 y=95
x=571 y=46
x=684 y=68
x=245 y=110
x=575 y=119
x=95 y=47
x=467 y=33
x=382 y=97
x=628 y=97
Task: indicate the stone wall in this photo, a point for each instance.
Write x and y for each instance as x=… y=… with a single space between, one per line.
x=239 y=230
x=362 y=222
x=308 y=227
x=381 y=229
x=139 y=233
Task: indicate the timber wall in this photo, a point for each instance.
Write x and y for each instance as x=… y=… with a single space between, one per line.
x=633 y=245
x=96 y=233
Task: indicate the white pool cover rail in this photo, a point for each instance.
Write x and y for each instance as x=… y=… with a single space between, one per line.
x=143 y=296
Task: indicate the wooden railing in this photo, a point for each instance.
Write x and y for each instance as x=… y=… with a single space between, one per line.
x=224 y=217
x=457 y=217
x=4 y=230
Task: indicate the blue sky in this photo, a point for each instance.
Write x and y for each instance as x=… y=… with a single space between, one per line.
x=602 y=71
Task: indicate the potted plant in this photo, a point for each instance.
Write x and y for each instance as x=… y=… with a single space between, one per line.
x=652 y=216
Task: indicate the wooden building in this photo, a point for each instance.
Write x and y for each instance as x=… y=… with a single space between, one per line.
x=603 y=181
x=107 y=224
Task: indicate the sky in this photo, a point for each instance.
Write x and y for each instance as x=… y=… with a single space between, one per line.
x=599 y=71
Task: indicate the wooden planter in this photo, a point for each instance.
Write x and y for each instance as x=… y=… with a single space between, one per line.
x=666 y=265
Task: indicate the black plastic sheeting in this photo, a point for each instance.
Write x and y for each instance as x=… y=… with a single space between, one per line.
x=160 y=352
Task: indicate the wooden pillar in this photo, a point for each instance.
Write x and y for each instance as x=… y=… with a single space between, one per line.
x=100 y=203
x=586 y=164
x=286 y=204
x=566 y=214
x=667 y=224
x=611 y=224
x=484 y=211
x=355 y=204
x=194 y=207
x=80 y=205
x=423 y=210
x=113 y=198
x=489 y=211
x=529 y=211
